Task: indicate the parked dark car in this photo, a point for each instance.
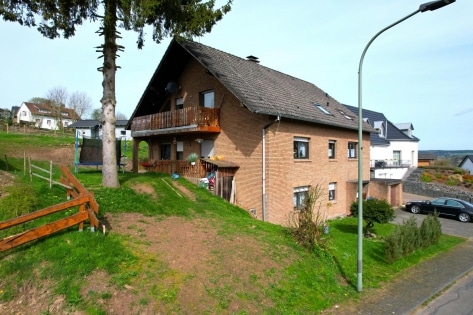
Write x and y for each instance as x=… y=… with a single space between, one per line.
x=452 y=207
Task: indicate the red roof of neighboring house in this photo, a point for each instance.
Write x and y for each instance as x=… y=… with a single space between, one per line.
x=49 y=110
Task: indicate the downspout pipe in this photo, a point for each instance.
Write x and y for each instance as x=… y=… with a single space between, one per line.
x=263 y=162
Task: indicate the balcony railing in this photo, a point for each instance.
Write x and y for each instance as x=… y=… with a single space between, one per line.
x=200 y=116
x=390 y=163
x=183 y=168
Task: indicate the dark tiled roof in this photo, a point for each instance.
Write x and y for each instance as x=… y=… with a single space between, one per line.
x=91 y=123
x=467 y=157
x=426 y=156
x=391 y=132
x=14 y=110
x=260 y=89
x=48 y=110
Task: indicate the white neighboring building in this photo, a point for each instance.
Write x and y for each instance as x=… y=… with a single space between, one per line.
x=93 y=129
x=467 y=163
x=393 y=148
x=46 y=116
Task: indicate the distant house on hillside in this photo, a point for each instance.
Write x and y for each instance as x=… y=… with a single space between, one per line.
x=426 y=159
x=91 y=128
x=265 y=138
x=393 y=147
x=467 y=163
x=46 y=116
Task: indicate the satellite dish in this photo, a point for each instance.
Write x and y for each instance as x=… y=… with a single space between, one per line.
x=171 y=87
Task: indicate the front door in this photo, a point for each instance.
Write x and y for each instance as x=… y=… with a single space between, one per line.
x=165 y=151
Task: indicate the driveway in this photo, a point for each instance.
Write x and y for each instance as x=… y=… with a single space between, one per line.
x=450 y=226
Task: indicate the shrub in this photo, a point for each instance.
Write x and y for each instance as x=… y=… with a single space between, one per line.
x=430 y=230
x=393 y=245
x=408 y=237
x=451 y=182
x=456 y=177
x=308 y=223
x=374 y=210
x=426 y=177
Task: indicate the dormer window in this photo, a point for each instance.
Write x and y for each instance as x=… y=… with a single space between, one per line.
x=379 y=126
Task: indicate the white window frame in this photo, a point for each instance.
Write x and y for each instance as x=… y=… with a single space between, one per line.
x=300 y=193
x=332 y=187
x=352 y=148
x=332 y=145
x=207 y=99
x=179 y=103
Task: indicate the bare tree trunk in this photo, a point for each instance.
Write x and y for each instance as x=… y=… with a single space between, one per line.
x=109 y=154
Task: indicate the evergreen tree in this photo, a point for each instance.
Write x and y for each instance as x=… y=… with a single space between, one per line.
x=186 y=18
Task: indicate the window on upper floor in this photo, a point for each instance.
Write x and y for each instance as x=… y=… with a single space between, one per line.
x=207 y=99
x=23 y=113
x=331 y=191
x=300 y=194
x=352 y=150
x=301 y=148
x=331 y=149
x=179 y=103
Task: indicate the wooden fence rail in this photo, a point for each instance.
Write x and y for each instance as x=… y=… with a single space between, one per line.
x=48 y=172
x=88 y=208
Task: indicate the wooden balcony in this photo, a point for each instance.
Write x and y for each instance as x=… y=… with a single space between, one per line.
x=196 y=118
x=183 y=168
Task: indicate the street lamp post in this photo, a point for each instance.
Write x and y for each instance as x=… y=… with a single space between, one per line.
x=428 y=6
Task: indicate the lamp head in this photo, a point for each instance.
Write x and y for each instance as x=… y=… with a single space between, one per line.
x=434 y=5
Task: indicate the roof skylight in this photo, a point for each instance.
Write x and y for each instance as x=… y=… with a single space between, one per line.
x=321 y=108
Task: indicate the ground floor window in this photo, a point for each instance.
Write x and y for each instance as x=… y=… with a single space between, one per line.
x=331 y=191
x=300 y=193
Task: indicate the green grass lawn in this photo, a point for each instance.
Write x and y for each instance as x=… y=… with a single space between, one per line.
x=296 y=282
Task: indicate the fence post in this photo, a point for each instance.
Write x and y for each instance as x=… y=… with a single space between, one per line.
x=50 y=174
x=31 y=171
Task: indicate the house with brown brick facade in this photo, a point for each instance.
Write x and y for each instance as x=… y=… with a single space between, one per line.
x=263 y=137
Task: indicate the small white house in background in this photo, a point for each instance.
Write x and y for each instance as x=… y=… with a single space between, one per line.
x=467 y=163
x=93 y=129
x=393 y=147
x=45 y=116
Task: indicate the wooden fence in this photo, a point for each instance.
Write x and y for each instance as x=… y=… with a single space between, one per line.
x=77 y=196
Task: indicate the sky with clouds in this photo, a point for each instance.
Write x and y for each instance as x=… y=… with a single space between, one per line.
x=419 y=71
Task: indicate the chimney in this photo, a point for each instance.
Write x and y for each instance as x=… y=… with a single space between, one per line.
x=252 y=59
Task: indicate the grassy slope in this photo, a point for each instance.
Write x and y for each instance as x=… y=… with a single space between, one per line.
x=296 y=282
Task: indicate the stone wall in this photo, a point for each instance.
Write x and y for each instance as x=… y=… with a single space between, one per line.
x=413 y=185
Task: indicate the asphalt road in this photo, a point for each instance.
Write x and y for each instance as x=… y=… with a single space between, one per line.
x=455 y=300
